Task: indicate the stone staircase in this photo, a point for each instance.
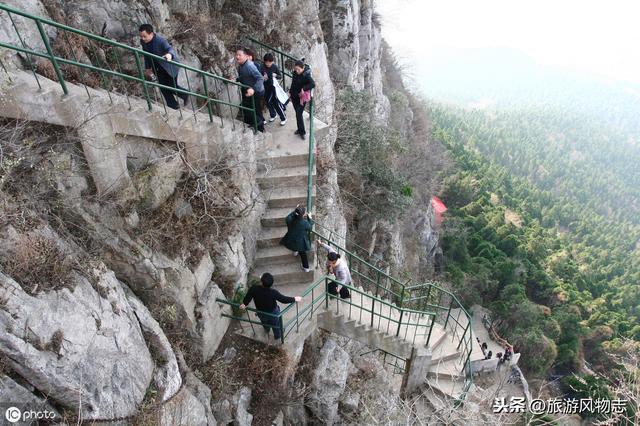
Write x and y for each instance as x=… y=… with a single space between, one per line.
x=282 y=176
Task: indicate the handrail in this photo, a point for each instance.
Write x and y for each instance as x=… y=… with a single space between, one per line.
x=285 y=72
x=109 y=70
x=406 y=298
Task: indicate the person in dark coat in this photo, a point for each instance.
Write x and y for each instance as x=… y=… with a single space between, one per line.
x=266 y=300
x=297 y=237
x=270 y=71
x=301 y=81
x=249 y=75
x=166 y=71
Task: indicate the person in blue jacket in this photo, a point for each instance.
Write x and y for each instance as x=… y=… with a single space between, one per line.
x=166 y=71
x=249 y=75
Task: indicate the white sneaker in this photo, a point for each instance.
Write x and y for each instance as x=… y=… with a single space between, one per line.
x=295 y=253
x=272 y=119
x=306 y=269
x=283 y=122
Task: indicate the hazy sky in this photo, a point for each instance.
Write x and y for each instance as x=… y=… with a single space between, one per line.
x=596 y=37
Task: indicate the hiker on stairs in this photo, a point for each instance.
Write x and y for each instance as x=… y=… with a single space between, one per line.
x=266 y=300
x=297 y=237
x=249 y=75
x=271 y=73
x=165 y=71
x=337 y=266
x=300 y=93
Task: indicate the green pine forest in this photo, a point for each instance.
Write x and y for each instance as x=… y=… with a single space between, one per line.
x=543 y=227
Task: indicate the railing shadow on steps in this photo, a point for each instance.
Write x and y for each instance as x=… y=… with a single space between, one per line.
x=93 y=61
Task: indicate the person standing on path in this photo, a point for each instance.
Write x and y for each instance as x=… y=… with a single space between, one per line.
x=166 y=71
x=300 y=93
x=266 y=300
x=270 y=72
x=249 y=75
x=297 y=237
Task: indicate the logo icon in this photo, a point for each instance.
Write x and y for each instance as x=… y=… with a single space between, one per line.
x=13 y=414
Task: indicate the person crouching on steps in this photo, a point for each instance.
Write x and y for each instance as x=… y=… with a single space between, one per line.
x=297 y=237
x=337 y=266
x=300 y=93
x=266 y=300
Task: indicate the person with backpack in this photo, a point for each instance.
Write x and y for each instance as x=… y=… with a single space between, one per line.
x=337 y=266
x=271 y=73
x=297 y=237
x=300 y=93
x=266 y=300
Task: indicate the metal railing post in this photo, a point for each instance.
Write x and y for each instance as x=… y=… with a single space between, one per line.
x=311 y=158
x=326 y=293
x=433 y=321
x=400 y=322
x=52 y=58
x=280 y=324
x=142 y=77
x=255 y=115
x=206 y=91
x=448 y=314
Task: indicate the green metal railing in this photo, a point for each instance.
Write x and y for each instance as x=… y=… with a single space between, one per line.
x=285 y=62
x=409 y=310
x=97 y=62
x=428 y=298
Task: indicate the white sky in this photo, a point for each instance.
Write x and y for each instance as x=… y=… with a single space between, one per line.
x=597 y=37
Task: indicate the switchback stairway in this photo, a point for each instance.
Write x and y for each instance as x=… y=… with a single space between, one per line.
x=422 y=326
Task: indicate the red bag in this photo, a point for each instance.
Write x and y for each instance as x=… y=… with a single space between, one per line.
x=305 y=96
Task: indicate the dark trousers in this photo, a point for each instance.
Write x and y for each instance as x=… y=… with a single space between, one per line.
x=299 y=109
x=273 y=104
x=269 y=322
x=304 y=259
x=247 y=102
x=165 y=79
x=344 y=292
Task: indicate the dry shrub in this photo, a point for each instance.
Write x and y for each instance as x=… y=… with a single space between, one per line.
x=38 y=264
x=210 y=198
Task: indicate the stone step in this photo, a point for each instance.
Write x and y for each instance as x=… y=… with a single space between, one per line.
x=285 y=274
x=270 y=237
x=451 y=369
x=276 y=255
x=275 y=217
x=447 y=387
x=288 y=197
x=284 y=177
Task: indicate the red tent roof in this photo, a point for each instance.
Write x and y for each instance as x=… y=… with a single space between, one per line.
x=439 y=208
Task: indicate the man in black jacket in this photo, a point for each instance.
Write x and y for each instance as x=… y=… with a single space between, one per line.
x=266 y=300
x=270 y=72
x=166 y=71
x=300 y=82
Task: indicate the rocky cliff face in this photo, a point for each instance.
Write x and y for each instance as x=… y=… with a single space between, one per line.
x=108 y=332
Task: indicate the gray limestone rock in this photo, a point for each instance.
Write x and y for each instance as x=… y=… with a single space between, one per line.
x=222 y=412
x=242 y=401
x=78 y=345
x=329 y=381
